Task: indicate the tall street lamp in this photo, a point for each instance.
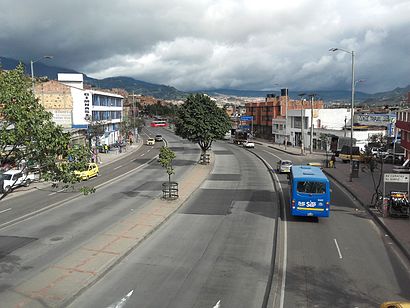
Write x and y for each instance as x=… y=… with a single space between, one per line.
x=312 y=97
x=32 y=69
x=286 y=113
x=301 y=127
x=352 y=53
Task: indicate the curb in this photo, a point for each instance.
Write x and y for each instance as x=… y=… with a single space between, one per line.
x=375 y=217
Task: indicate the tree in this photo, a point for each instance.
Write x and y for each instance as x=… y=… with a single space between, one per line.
x=29 y=137
x=201 y=121
x=166 y=156
x=129 y=124
x=378 y=141
x=324 y=138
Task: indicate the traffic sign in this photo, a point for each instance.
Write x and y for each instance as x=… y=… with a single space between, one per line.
x=396 y=178
x=246 y=118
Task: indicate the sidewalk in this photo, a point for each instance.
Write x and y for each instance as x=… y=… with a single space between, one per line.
x=113 y=155
x=362 y=188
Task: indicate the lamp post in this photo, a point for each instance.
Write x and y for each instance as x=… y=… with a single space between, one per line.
x=352 y=53
x=286 y=114
x=32 y=68
x=312 y=97
x=301 y=127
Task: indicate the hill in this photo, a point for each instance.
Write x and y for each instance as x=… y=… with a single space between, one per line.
x=325 y=95
x=127 y=83
x=392 y=97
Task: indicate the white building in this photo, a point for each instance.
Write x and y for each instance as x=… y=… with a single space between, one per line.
x=335 y=122
x=77 y=108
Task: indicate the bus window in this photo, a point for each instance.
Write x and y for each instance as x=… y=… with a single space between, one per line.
x=311 y=187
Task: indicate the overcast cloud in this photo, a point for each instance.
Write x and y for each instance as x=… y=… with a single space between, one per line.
x=198 y=44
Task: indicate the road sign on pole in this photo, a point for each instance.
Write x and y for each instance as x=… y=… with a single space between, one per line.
x=396 y=178
x=246 y=118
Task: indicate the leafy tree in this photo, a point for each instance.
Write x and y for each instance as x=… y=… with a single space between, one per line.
x=378 y=141
x=29 y=137
x=201 y=121
x=128 y=125
x=325 y=140
x=166 y=156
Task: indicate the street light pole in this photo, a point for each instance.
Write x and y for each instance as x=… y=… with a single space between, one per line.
x=286 y=118
x=352 y=53
x=286 y=113
x=32 y=68
x=301 y=127
x=312 y=97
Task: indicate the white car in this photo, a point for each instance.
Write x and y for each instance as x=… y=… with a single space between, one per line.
x=283 y=166
x=15 y=178
x=248 y=144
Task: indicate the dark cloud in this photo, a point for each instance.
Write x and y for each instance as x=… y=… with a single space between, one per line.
x=247 y=44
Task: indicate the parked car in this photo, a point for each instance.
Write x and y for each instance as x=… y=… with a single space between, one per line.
x=90 y=171
x=150 y=141
x=15 y=178
x=158 y=138
x=283 y=166
x=248 y=144
x=388 y=158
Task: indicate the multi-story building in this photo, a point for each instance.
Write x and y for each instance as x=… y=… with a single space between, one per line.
x=403 y=124
x=274 y=108
x=77 y=109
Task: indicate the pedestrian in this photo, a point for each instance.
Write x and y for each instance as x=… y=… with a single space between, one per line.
x=333 y=160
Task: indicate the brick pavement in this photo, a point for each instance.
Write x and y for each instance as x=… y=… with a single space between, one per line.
x=362 y=188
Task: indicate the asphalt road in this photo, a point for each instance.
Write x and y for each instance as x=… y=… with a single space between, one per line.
x=218 y=247
x=28 y=246
x=20 y=203
x=341 y=261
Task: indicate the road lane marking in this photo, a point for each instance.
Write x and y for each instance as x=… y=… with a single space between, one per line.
x=56 y=192
x=67 y=200
x=122 y=302
x=338 y=249
x=120 y=166
x=285 y=237
x=6 y=210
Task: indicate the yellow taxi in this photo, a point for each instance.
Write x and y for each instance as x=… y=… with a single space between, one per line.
x=150 y=141
x=90 y=171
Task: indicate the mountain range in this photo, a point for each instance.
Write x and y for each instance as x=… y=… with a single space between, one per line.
x=393 y=97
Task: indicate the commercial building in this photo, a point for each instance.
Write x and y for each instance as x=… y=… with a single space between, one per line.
x=269 y=121
x=403 y=125
x=78 y=110
x=274 y=108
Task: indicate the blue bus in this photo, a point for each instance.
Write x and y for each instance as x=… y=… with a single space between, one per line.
x=309 y=192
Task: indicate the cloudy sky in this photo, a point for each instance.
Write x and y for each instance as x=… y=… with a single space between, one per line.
x=202 y=44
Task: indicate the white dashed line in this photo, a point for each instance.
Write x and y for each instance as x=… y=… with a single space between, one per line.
x=338 y=249
x=6 y=210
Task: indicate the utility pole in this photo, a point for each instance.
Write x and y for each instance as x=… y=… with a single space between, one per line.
x=286 y=118
x=133 y=117
x=312 y=97
x=302 y=150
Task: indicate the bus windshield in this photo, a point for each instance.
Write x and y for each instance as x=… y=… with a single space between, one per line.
x=311 y=187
